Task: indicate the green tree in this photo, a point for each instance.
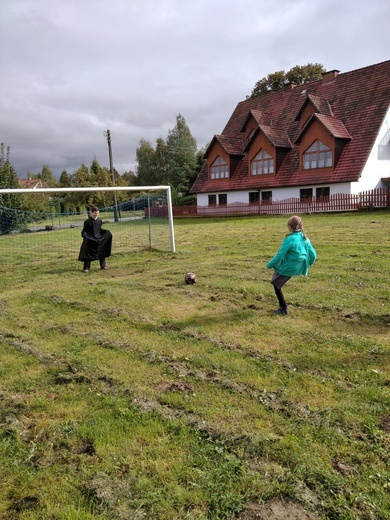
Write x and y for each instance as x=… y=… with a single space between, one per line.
x=100 y=176
x=77 y=201
x=161 y=158
x=8 y=177
x=146 y=170
x=46 y=177
x=299 y=74
x=181 y=155
x=10 y=219
x=174 y=161
x=65 y=180
x=272 y=83
x=305 y=73
x=127 y=179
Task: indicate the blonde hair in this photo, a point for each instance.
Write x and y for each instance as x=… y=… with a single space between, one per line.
x=295 y=224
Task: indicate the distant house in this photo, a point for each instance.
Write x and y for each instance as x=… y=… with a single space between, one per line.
x=313 y=140
x=30 y=184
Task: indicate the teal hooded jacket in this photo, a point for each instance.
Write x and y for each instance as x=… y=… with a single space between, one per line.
x=294 y=257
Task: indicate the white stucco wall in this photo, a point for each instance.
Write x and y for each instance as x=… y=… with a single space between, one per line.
x=374 y=169
x=277 y=193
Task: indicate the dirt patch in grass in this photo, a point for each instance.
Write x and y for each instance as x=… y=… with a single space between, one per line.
x=277 y=510
x=175 y=386
x=385 y=423
x=21 y=505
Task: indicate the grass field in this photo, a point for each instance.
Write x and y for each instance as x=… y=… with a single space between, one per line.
x=126 y=394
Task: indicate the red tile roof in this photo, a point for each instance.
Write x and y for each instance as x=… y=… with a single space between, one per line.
x=322 y=106
x=351 y=106
x=334 y=126
x=262 y=119
x=30 y=183
x=232 y=145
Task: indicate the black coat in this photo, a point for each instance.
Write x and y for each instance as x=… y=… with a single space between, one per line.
x=96 y=241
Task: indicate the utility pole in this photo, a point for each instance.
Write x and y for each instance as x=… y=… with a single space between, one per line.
x=108 y=135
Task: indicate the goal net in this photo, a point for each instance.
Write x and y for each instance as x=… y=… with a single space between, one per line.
x=45 y=224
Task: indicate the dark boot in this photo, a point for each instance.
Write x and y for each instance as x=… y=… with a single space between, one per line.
x=282 y=302
x=283 y=311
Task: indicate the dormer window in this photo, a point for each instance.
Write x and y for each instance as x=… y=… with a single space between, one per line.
x=317 y=156
x=219 y=169
x=262 y=163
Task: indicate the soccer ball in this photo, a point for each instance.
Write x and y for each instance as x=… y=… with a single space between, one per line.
x=190 y=278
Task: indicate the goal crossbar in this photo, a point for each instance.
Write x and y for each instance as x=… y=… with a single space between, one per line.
x=107 y=188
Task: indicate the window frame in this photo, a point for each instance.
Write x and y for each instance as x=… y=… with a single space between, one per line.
x=219 y=169
x=317 y=156
x=222 y=199
x=323 y=193
x=254 y=197
x=262 y=161
x=306 y=194
x=266 y=197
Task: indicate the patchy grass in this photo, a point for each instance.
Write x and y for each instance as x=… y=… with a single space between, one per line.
x=128 y=394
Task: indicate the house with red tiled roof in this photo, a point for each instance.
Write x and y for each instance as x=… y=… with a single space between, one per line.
x=318 y=139
x=31 y=184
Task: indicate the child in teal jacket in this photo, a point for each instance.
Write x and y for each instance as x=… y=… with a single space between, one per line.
x=294 y=258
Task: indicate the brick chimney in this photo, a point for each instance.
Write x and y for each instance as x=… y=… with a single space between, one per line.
x=289 y=86
x=330 y=75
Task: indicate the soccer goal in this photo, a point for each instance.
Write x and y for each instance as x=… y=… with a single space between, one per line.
x=42 y=223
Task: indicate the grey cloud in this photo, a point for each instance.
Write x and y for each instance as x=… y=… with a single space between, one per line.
x=71 y=70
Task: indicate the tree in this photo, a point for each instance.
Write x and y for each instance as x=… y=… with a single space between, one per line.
x=272 y=83
x=79 y=179
x=299 y=74
x=101 y=176
x=305 y=73
x=8 y=178
x=9 y=218
x=173 y=161
x=46 y=177
x=127 y=179
x=181 y=155
x=152 y=163
x=65 y=180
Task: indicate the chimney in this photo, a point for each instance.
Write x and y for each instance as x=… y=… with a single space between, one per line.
x=289 y=86
x=330 y=75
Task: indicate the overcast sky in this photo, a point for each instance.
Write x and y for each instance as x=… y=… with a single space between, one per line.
x=72 y=69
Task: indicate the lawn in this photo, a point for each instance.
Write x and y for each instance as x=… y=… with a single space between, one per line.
x=127 y=394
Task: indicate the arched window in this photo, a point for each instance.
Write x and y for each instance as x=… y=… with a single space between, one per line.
x=317 y=156
x=219 y=169
x=262 y=163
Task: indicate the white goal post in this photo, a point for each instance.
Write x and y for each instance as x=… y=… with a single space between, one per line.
x=107 y=188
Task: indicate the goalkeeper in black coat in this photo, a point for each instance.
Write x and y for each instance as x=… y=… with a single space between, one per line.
x=96 y=241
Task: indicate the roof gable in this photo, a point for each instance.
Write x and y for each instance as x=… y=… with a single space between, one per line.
x=278 y=137
x=231 y=145
x=260 y=118
x=321 y=106
x=334 y=126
